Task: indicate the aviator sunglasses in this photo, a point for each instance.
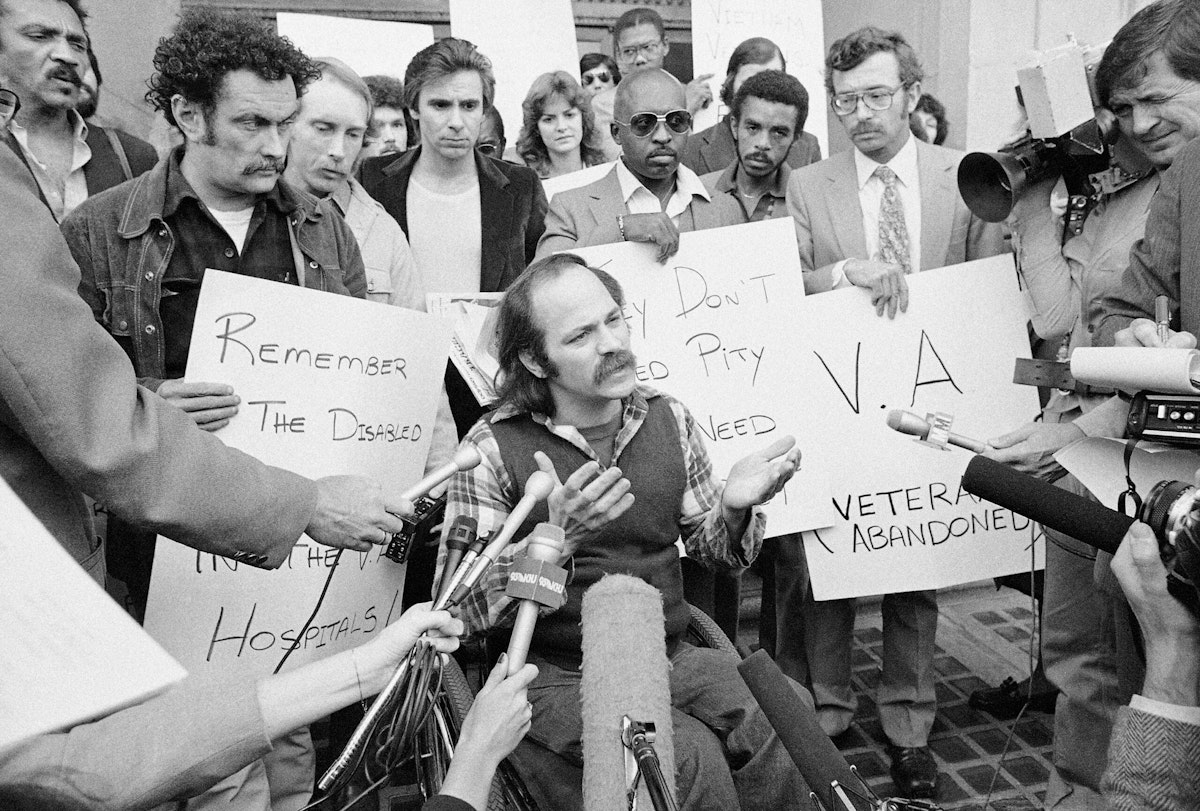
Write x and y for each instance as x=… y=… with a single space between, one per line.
x=642 y=124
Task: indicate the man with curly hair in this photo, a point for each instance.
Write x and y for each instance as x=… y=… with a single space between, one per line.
x=231 y=85
x=388 y=133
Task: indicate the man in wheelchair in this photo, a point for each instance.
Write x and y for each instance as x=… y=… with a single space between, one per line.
x=570 y=405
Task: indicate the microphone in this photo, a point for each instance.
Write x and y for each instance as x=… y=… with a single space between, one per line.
x=624 y=675
x=538 y=487
x=794 y=721
x=1050 y=506
x=907 y=422
x=536 y=580
x=465 y=458
x=463 y=532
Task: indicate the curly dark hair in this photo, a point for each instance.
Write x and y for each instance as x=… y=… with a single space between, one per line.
x=853 y=49
x=530 y=146
x=207 y=44
x=387 y=91
x=774 y=86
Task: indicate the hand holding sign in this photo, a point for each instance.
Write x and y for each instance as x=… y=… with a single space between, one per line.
x=585 y=503
x=656 y=228
x=699 y=94
x=210 y=405
x=352 y=513
x=885 y=281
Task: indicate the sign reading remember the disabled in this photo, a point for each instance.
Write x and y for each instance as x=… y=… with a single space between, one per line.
x=328 y=385
x=716 y=327
x=903 y=522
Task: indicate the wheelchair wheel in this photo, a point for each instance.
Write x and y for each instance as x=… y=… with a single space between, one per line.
x=704 y=632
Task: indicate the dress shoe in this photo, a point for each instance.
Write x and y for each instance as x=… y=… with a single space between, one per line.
x=1006 y=700
x=913 y=771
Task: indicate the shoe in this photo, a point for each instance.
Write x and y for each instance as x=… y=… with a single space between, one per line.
x=913 y=771
x=1007 y=700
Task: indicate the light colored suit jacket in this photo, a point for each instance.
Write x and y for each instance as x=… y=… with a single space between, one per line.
x=823 y=200
x=579 y=218
x=1153 y=763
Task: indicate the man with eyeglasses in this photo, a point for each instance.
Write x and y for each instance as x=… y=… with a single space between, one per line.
x=640 y=43
x=473 y=221
x=491 y=135
x=648 y=196
x=869 y=217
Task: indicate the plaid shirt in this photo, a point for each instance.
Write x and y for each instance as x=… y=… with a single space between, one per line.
x=487 y=494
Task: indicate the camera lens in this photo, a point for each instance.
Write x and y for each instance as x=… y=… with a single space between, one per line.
x=1158 y=511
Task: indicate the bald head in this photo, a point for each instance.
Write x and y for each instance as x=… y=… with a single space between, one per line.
x=652 y=89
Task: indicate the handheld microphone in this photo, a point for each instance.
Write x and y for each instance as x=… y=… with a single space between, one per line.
x=538 y=487
x=536 y=580
x=624 y=674
x=793 y=719
x=465 y=458
x=907 y=422
x=461 y=535
x=1050 y=506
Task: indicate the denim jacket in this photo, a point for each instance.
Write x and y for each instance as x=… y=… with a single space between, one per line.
x=123 y=244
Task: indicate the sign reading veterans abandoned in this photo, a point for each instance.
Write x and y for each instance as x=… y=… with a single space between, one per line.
x=329 y=385
x=903 y=523
x=717 y=327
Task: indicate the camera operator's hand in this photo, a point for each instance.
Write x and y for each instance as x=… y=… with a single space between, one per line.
x=886 y=282
x=1030 y=449
x=1144 y=332
x=1170 y=632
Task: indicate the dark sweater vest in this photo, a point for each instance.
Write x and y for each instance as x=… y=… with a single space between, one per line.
x=640 y=543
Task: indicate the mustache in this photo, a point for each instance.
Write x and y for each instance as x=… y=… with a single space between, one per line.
x=67 y=74
x=663 y=153
x=274 y=164
x=864 y=130
x=610 y=364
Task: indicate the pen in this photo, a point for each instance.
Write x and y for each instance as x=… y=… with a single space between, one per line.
x=1162 y=316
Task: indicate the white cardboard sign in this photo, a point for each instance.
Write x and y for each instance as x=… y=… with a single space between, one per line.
x=369 y=47
x=719 y=26
x=903 y=522
x=71 y=653
x=329 y=385
x=716 y=326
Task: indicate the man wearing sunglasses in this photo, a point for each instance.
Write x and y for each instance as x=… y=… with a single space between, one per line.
x=648 y=196
x=868 y=217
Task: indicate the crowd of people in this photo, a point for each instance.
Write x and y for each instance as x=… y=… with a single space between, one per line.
x=292 y=168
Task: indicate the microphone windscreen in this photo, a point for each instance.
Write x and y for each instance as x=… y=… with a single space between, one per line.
x=795 y=722
x=624 y=674
x=907 y=423
x=1050 y=506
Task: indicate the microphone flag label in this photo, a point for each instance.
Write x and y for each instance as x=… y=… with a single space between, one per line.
x=539 y=580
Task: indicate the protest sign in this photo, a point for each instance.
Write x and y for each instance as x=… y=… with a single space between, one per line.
x=717 y=326
x=523 y=39
x=71 y=653
x=369 y=47
x=903 y=522
x=573 y=180
x=329 y=385
x=719 y=26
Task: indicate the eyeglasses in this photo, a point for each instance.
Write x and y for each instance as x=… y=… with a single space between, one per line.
x=878 y=100
x=603 y=76
x=642 y=124
x=631 y=53
x=10 y=102
x=487 y=148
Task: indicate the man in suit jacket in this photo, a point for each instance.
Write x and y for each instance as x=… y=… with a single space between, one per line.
x=648 y=196
x=714 y=149
x=868 y=217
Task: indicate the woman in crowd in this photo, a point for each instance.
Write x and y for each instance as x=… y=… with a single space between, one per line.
x=598 y=72
x=558 y=131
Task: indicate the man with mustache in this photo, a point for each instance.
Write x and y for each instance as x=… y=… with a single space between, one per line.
x=869 y=217
x=43 y=57
x=632 y=476
x=231 y=85
x=648 y=196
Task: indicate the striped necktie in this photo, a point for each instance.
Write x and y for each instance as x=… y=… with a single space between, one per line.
x=893 y=233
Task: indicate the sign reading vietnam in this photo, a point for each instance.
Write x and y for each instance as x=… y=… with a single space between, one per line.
x=903 y=522
x=329 y=385
x=717 y=326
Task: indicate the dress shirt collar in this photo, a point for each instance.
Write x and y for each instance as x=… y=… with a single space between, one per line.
x=79 y=127
x=687 y=183
x=727 y=182
x=903 y=163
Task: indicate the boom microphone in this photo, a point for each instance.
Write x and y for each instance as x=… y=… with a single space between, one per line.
x=537 y=580
x=624 y=674
x=464 y=459
x=1050 y=506
x=821 y=765
x=907 y=422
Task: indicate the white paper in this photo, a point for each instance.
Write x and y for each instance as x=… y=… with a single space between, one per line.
x=523 y=39
x=719 y=26
x=71 y=653
x=369 y=47
x=473 y=345
x=1099 y=464
x=573 y=180
x=716 y=327
x=1138 y=368
x=903 y=521
x=329 y=385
